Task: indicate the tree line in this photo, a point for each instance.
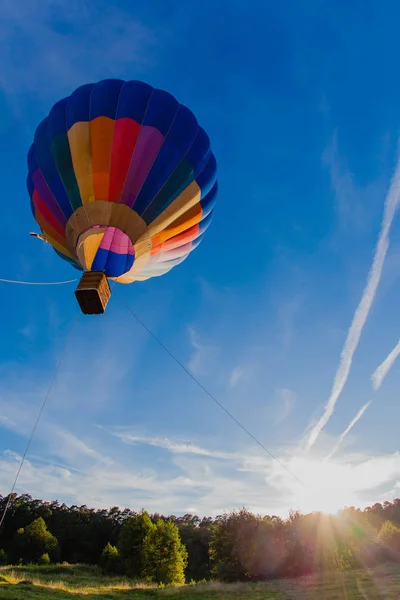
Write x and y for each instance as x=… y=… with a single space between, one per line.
x=237 y=546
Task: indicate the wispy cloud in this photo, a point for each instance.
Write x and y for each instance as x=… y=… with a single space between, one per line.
x=348 y=429
x=203 y=356
x=355 y=206
x=168 y=474
x=174 y=446
x=285 y=401
x=362 y=311
x=49 y=47
x=237 y=374
x=380 y=373
x=197 y=476
x=29 y=331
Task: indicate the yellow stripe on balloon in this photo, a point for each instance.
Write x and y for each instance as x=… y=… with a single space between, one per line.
x=79 y=143
x=184 y=202
x=87 y=247
x=184 y=222
x=56 y=244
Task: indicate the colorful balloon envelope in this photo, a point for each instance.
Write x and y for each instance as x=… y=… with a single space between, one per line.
x=122 y=180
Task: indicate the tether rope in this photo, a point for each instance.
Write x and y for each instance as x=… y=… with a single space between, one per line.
x=37 y=282
x=209 y=394
x=38 y=418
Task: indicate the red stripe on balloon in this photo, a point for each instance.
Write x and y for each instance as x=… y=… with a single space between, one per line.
x=126 y=133
x=47 y=214
x=182 y=238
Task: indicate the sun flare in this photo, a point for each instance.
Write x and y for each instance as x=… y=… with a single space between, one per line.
x=328 y=485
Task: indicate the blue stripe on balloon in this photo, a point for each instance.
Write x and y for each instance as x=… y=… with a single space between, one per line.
x=104 y=98
x=161 y=111
x=205 y=223
x=200 y=152
x=57 y=122
x=112 y=263
x=31 y=159
x=47 y=165
x=68 y=259
x=176 y=145
x=133 y=100
x=78 y=105
x=207 y=177
x=193 y=163
x=59 y=146
x=118 y=264
x=208 y=202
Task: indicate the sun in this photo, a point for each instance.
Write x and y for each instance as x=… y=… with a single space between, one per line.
x=328 y=486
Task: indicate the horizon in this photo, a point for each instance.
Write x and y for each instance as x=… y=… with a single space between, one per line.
x=285 y=312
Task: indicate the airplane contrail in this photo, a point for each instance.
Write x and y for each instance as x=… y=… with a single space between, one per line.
x=349 y=428
x=362 y=311
x=380 y=373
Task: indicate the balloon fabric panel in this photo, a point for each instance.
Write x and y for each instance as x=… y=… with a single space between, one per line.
x=134 y=147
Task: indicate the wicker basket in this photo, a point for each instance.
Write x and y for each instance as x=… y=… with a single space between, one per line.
x=93 y=293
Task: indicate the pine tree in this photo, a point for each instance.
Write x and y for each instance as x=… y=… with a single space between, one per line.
x=165 y=556
x=130 y=543
x=110 y=560
x=31 y=543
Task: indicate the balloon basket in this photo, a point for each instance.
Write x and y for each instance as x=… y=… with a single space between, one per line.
x=93 y=293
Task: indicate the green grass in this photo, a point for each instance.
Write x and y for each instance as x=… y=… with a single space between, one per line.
x=70 y=582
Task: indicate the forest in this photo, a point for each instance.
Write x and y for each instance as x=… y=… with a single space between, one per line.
x=236 y=546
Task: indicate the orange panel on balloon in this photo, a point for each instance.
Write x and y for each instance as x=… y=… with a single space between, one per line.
x=101 y=141
x=185 y=221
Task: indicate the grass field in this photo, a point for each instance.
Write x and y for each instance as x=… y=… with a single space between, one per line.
x=67 y=582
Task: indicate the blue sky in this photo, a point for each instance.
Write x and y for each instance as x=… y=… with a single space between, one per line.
x=301 y=105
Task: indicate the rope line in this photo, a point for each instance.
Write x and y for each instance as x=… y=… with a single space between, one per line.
x=205 y=390
x=38 y=418
x=38 y=282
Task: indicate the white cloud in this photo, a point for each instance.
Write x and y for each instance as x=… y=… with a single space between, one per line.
x=76 y=462
x=285 y=400
x=380 y=373
x=190 y=474
x=362 y=311
x=355 y=480
x=229 y=480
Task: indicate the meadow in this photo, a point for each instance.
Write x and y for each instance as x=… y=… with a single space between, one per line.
x=66 y=582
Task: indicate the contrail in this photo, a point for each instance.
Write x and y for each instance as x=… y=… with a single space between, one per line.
x=362 y=311
x=384 y=368
x=349 y=428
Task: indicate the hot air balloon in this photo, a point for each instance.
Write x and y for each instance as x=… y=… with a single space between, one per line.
x=122 y=182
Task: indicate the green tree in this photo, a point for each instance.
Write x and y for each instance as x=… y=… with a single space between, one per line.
x=196 y=535
x=130 y=543
x=389 y=538
x=31 y=543
x=44 y=559
x=165 y=556
x=110 y=560
x=246 y=547
x=3 y=557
